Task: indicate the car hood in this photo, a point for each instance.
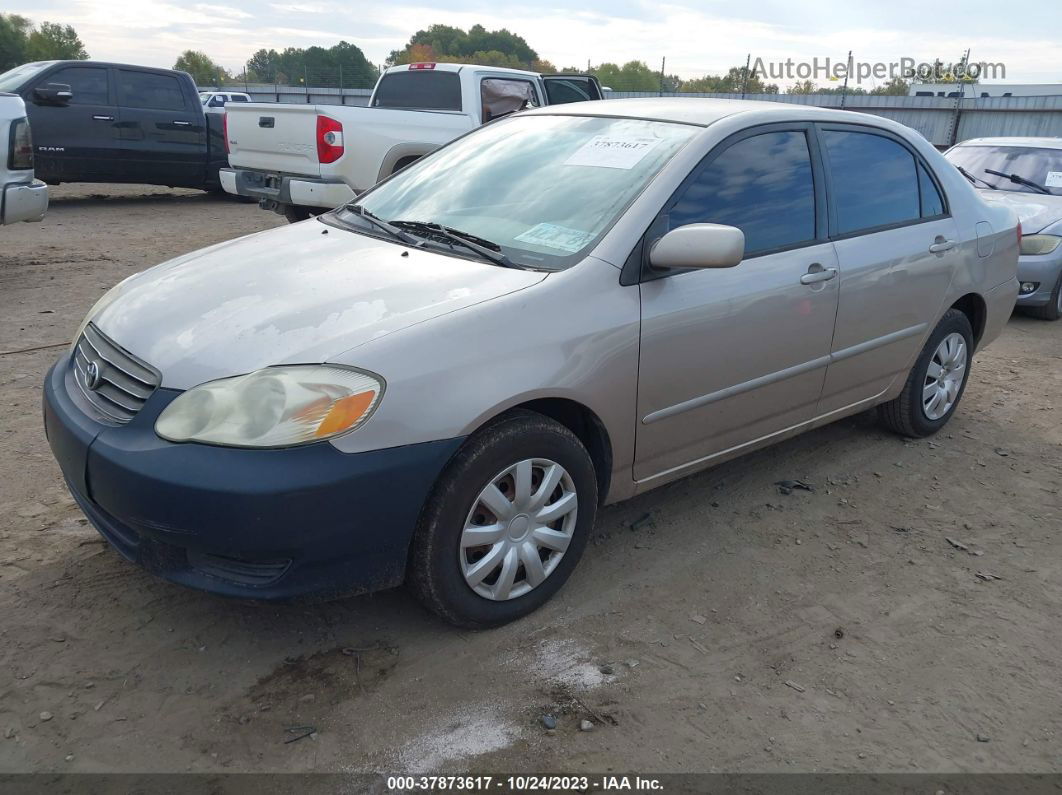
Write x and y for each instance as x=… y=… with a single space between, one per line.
x=1035 y=211
x=298 y=294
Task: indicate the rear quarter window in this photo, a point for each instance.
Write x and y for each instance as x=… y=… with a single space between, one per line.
x=421 y=90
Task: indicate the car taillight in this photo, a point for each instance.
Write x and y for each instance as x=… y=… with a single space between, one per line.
x=225 y=130
x=20 y=156
x=329 y=139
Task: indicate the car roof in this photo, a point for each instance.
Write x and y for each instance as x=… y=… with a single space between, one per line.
x=1027 y=140
x=701 y=111
x=439 y=66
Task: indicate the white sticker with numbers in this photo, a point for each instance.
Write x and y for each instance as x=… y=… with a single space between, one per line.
x=1054 y=179
x=556 y=236
x=612 y=151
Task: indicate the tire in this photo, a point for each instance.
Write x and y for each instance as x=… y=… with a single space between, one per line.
x=440 y=558
x=908 y=414
x=1052 y=310
x=295 y=213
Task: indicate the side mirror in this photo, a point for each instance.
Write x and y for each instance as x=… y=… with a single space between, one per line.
x=699 y=246
x=54 y=93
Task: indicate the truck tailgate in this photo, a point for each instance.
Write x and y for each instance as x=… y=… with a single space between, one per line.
x=273 y=137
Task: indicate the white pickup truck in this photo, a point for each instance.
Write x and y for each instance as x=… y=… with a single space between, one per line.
x=22 y=198
x=300 y=160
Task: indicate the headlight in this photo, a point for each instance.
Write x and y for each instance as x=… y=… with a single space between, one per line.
x=1039 y=244
x=274 y=407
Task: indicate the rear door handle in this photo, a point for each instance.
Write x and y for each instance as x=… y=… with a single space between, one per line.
x=103 y=118
x=182 y=123
x=941 y=245
x=816 y=273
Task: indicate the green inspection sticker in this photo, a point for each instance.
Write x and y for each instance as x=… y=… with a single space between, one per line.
x=555 y=236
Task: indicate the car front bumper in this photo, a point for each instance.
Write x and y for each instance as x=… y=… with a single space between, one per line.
x=23 y=201
x=281 y=189
x=1044 y=269
x=261 y=524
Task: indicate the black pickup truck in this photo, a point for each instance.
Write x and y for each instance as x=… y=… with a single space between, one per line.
x=111 y=122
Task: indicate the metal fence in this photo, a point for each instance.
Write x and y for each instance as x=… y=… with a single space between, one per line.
x=943 y=121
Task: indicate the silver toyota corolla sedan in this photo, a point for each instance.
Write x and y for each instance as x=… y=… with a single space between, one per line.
x=442 y=381
x=1024 y=174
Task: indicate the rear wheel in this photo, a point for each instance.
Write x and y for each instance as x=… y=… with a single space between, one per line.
x=1052 y=310
x=937 y=381
x=506 y=523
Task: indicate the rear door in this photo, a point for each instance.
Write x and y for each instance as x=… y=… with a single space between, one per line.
x=563 y=89
x=897 y=247
x=78 y=141
x=163 y=131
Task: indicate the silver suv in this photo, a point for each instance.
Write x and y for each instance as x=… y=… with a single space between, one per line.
x=442 y=381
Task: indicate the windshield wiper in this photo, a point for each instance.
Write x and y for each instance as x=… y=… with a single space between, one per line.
x=485 y=248
x=379 y=223
x=974 y=180
x=1020 y=180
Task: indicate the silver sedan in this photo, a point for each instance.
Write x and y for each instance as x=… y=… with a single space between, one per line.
x=442 y=381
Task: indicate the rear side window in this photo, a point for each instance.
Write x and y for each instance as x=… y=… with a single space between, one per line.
x=875 y=182
x=763 y=185
x=149 y=90
x=561 y=91
x=932 y=203
x=422 y=89
x=238 y=98
x=88 y=84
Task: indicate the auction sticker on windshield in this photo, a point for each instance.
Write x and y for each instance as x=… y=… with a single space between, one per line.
x=555 y=236
x=1054 y=179
x=609 y=151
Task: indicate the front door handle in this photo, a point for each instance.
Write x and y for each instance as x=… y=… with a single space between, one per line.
x=182 y=123
x=816 y=273
x=940 y=245
x=103 y=118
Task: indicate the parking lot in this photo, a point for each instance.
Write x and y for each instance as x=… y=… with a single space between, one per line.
x=901 y=616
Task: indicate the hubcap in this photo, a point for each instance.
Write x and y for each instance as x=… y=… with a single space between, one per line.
x=944 y=376
x=518 y=529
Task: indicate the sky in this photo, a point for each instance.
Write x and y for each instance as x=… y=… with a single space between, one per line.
x=696 y=38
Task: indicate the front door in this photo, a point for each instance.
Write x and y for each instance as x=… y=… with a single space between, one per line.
x=76 y=141
x=731 y=356
x=897 y=246
x=163 y=130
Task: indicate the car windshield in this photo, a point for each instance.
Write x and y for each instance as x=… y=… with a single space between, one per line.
x=203 y=98
x=539 y=189
x=1040 y=165
x=14 y=79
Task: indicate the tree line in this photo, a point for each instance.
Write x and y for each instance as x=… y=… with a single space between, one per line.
x=21 y=41
x=344 y=65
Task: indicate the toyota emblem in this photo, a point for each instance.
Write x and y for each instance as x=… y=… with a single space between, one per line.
x=93 y=376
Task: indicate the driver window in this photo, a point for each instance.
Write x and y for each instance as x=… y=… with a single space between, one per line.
x=88 y=84
x=501 y=97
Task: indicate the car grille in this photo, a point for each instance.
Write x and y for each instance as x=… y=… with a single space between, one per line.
x=123 y=382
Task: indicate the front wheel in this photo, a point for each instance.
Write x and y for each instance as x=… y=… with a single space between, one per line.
x=506 y=523
x=937 y=381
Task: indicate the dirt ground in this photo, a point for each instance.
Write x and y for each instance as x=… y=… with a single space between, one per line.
x=713 y=625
